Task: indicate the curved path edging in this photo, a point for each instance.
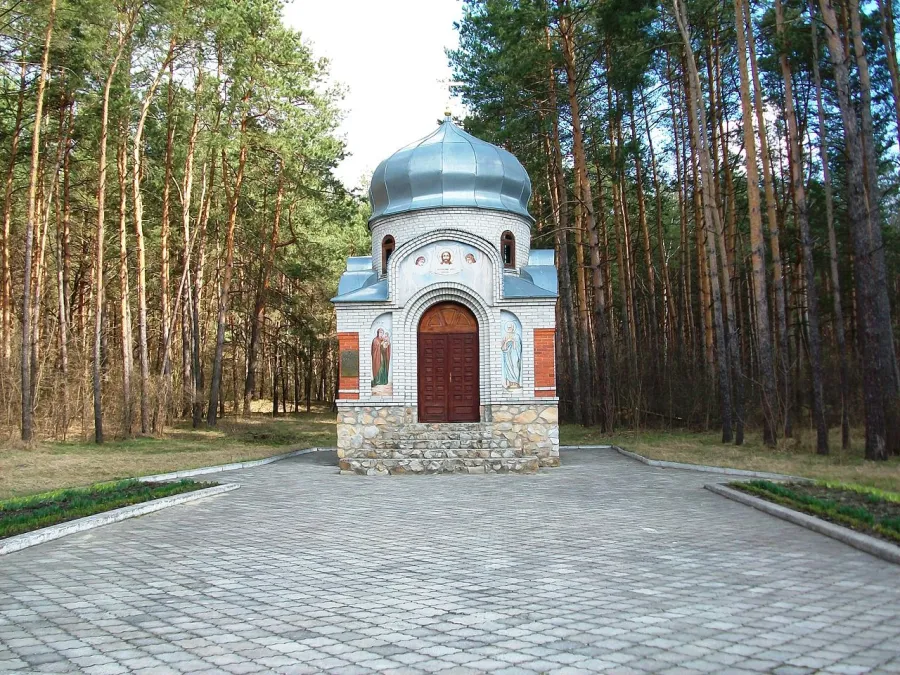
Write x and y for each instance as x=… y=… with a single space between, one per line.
x=703 y=467
x=20 y=541
x=187 y=473
x=864 y=542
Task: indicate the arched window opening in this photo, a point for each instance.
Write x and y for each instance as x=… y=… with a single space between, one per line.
x=508 y=250
x=387 y=248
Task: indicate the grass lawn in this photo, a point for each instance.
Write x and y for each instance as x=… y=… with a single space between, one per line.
x=25 y=514
x=51 y=466
x=874 y=512
x=796 y=457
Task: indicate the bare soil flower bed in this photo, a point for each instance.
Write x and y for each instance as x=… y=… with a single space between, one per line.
x=873 y=512
x=25 y=514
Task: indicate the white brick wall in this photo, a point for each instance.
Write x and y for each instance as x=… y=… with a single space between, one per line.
x=480 y=229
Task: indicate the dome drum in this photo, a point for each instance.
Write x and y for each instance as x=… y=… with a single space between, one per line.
x=488 y=225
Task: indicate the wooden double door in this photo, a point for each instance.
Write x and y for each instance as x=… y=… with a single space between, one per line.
x=448 y=364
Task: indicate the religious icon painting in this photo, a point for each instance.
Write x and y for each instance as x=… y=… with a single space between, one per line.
x=382 y=374
x=446 y=259
x=511 y=350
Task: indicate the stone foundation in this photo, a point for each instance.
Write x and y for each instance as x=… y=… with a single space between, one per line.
x=375 y=440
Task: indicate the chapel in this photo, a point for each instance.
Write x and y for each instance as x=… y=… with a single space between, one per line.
x=447 y=331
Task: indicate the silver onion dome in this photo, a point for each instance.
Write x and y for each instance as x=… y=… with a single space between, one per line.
x=449 y=168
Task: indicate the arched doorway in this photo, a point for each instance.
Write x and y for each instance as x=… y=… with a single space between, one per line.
x=448 y=364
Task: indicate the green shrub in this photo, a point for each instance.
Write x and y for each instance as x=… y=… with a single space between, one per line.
x=25 y=514
x=855 y=516
x=891 y=524
x=856 y=512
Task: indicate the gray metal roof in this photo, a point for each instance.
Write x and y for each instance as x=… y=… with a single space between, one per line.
x=449 y=168
x=519 y=287
x=374 y=290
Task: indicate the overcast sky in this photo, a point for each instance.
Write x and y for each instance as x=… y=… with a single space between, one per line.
x=389 y=54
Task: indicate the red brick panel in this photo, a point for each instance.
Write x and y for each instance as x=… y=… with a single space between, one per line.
x=545 y=362
x=348 y=354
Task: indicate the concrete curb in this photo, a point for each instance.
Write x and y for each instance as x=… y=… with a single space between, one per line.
x=877 y=547
x=585 y=447
x=187 y=473
x=708 y=469
x=21 y=541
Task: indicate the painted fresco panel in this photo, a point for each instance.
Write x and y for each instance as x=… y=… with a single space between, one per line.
x=445 y=261
x=382 y=356
x=511 y=351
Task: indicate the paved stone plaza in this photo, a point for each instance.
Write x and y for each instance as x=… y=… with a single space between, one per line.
x=602 y=565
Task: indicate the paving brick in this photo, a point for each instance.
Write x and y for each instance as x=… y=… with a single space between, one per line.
x=601 y=565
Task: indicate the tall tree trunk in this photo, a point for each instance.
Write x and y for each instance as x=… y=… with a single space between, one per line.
x=137 y=208
x=284 y=379
x=296 y=372
x=309 y=374
x=37 y=278
x=276 y=366
x=645 y=227
x=127 y=339
x=563 y=377
x=716 y=111
x=667 y=325
x=870 y=163
x=262 y=290
x=159 y=420
x=62 y=281
x=697 y=118
x=603 y=364
x=726 y=253
x=686 y=324
x=583 y=191
x=233 y=198
x=5 y=273
x=729 y=265
x=99 y=294
x=30 y=224
x=585 y=200
x=730 y=208
x=799 y=191
x=562 y=250
x=189 y=383
x=604 y=408
x=45 y=209
x=618 y=146
x=757 y=241
x=888 y=33
x=196 y=337
x=879 y=386
x=772 y=219
x=704 y=287
x=701 y=234
x=832 y=241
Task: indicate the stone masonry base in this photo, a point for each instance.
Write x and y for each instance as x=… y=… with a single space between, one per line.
x=374 y=440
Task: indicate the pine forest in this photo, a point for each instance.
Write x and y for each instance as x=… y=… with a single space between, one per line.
x=172 y=229
x=719 y=180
